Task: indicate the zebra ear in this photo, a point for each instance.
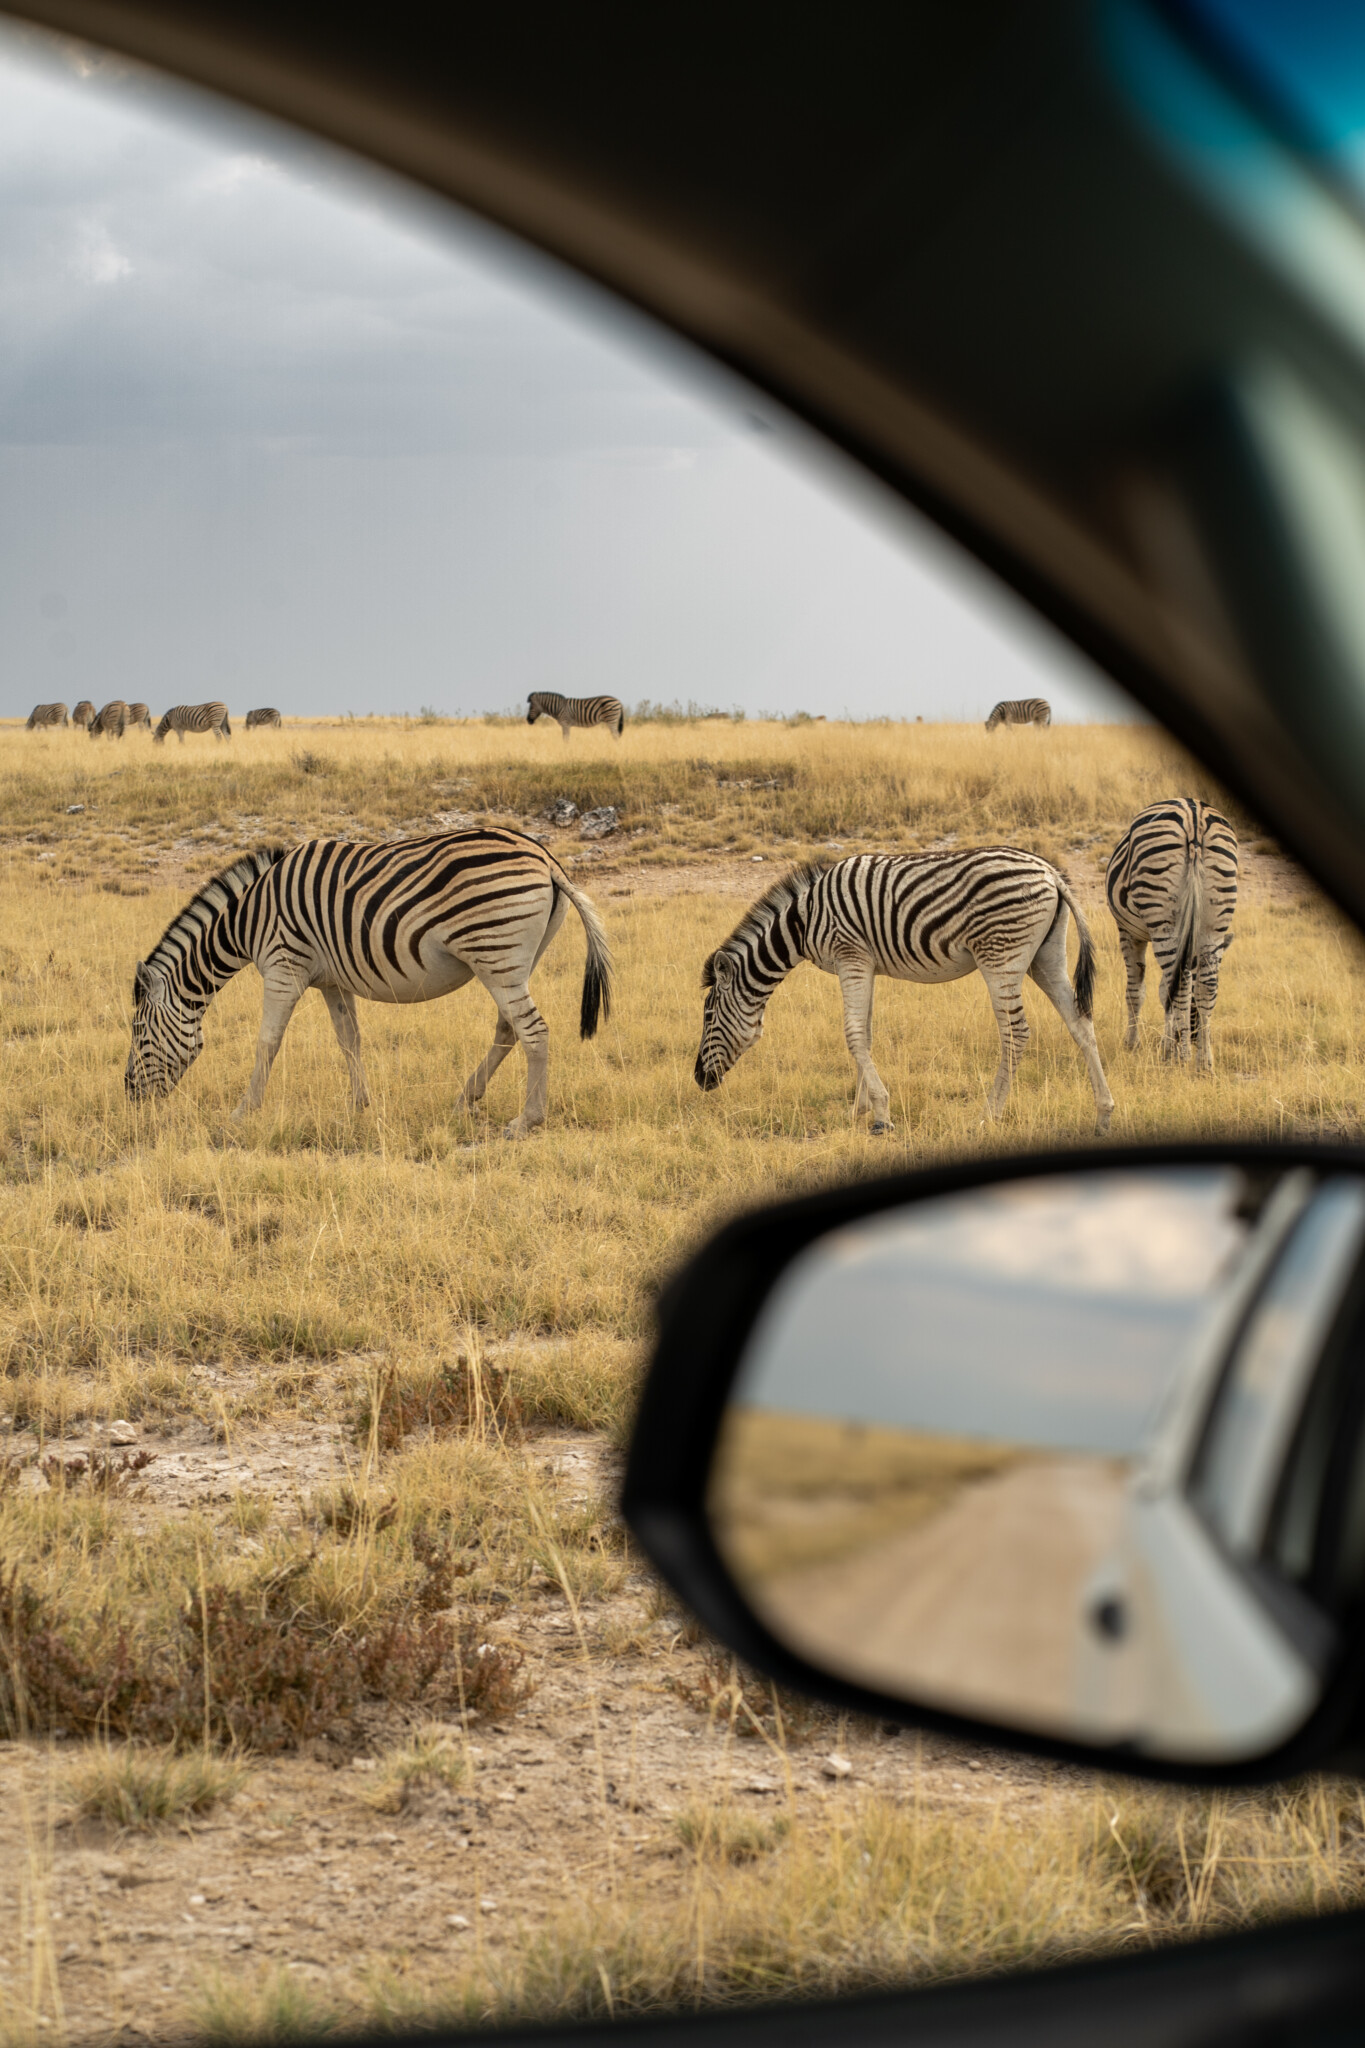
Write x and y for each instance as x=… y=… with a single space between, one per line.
x=717 y=968
x=149 y=984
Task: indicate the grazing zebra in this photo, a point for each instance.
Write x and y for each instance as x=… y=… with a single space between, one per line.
x=393 y=923
x=139 y=714
x=916 y=917
x=46 y=714
x=267 y=715
x=83 y=713
x=111 y=721
x=1172 y=880
x=1020 y=711
x=183 y=718
x=571 y=711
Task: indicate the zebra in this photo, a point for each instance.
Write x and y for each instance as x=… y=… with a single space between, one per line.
x=1020 y=711
x=267 y=715
x=1172 y=880
x=139 y=714
x=183 y=718
x=46 y=714
x=394 y=923
x=571 y=711
x=917 y=917
x=111 y=721
x=83 y=714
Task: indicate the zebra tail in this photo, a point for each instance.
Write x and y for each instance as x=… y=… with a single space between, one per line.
x=1189 y=918
x=227 y=725
x=598 y=968
x=1083 y=981
x=620 y=721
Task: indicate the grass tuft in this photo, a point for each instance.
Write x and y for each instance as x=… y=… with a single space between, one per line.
x=132 y=1787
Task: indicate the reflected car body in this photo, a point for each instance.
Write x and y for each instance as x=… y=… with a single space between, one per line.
x=1193 y=1636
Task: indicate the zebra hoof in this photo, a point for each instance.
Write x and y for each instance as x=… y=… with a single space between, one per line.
x=883 y=1129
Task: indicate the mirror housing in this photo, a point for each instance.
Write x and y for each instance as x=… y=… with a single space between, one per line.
x=719 y=1311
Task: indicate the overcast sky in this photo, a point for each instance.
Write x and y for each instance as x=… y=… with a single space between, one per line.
x=279 y=430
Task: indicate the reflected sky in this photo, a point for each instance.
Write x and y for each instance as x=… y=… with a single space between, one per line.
x=1051 y=1312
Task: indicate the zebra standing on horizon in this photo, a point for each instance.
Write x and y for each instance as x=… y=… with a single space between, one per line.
x=266 y=715
x=394 y=923
x=1172 y=882
x=183 y=718
x=139 y=714
x=1020 y=711
x=112 y=721
x=572 y=711
x=916 y=917
x=83 y=714
x=46 y=714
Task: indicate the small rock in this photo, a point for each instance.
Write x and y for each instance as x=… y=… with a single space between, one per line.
x=198 y=1899
x=758 y=857
x=72 y=809
x=562 y=811
x=70 y=1952
x=122 y=1433
x=972 y=1764
x=837 y=1766
x=599 y=823
x=488 y=1905
x=458 y=1922
x=364 y=1763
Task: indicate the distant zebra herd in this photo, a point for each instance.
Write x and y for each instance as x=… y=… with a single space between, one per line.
x=116 y=718
x=409 y=922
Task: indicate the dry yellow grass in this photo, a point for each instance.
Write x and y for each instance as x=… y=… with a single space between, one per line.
x=308 y=1251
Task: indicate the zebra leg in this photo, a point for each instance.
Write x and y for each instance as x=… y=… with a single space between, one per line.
x=1205 y=996
x=1005 y=987
x=504 y=1038
x=1048 y=969
x=279 y=1006
x=857 y=981
x=516 y=1007
x=341 y=1009
x=1134 y=953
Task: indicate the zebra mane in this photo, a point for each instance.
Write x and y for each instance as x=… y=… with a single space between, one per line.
x=226 y=888
x=792 y=886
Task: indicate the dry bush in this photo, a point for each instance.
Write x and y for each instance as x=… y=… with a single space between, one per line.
x=129 y=1786
x=456 y=1395
x=750 y=1706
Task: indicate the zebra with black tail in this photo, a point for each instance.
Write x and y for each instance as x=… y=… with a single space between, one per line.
x=46 y=714
x=916 y=917
x=1172 y=882
x=391 y=923
x=572 y=711
x=183 y=718
x=1020 y=711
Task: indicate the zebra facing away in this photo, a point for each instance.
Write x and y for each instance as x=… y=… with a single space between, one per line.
x=1020 y=711
x=46 y=714
x=112 y=721
x=267 y=715
x=392 y=923
x=183 y=718
x=1172 y=881
x=83 y=714
x=916 y=917
x=572 y=711
x=139 y=714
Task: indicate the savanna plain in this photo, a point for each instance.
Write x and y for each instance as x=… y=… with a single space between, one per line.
x=331 y=1689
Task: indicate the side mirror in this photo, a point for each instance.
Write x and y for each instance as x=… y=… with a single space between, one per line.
x=1065 y=1452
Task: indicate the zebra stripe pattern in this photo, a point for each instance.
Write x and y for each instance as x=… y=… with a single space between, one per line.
x=1020 y=711
x=267 y=715
x=183 y=718
x=139 y=714
x=46 y=714
x=572 y=711
x=1172 y=882
x=391 y=923
x=917 y=917
x=83 y=714
x=112 y=721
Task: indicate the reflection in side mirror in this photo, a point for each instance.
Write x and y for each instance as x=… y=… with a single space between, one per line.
x=1077 y=1454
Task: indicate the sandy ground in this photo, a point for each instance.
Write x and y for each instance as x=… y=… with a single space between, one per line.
x=574 y=1795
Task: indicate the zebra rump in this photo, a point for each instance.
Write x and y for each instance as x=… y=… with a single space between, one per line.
x=1171 y=882
x=83 y=713
x=112 y=720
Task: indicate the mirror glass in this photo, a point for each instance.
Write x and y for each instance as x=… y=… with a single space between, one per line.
x=1071 y=1453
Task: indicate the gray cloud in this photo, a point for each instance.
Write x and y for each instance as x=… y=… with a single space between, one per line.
x=275 y=427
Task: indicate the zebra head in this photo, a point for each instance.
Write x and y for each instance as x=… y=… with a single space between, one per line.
x=167 y=1037
x=731 y=1020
